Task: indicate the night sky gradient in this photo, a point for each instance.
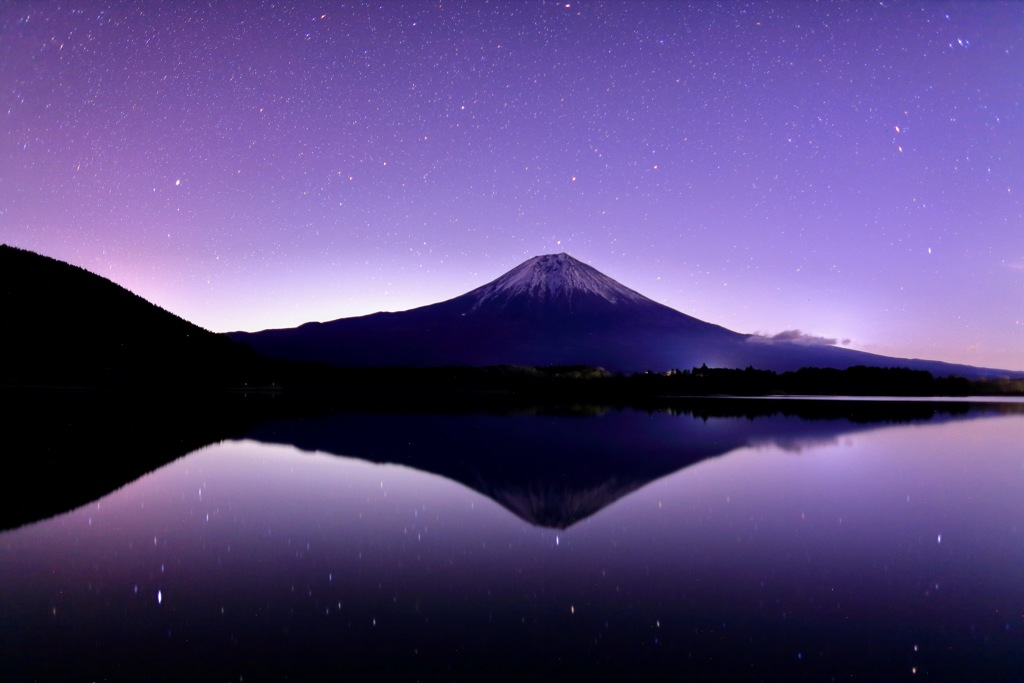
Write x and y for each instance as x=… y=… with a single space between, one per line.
x=854 y=170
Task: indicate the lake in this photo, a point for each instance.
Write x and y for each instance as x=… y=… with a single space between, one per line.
x=752 y=540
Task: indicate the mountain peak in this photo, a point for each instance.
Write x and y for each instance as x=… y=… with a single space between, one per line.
x=555 y=277
x=554 y=310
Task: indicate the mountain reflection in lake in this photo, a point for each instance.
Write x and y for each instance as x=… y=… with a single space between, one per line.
x=621 y=544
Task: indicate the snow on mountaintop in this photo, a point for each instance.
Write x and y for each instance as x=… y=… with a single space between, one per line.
x=552 y=276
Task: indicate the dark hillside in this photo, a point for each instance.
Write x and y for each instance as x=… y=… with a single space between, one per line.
x=65 y=326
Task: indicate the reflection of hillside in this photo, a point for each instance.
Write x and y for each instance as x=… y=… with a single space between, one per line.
x=551 y=465
x=64 y=449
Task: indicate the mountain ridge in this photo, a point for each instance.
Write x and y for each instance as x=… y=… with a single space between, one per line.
x=556 y=310
x=69 y=327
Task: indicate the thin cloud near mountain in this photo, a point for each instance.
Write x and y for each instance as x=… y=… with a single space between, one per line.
x=797 y=337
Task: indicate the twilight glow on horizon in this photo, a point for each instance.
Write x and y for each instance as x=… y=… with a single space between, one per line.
x=854 y=170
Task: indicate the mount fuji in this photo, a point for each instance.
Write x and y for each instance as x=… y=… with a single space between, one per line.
x=556 y=310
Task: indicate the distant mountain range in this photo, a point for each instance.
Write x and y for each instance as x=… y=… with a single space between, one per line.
x=556 y=310
x=66 y=326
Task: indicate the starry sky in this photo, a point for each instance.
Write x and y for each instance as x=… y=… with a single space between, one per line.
x=852 y=170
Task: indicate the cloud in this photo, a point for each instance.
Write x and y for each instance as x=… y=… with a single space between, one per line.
x=794 y=444
x=796 y=337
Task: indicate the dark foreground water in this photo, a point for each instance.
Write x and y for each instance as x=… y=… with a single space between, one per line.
x=623 y=544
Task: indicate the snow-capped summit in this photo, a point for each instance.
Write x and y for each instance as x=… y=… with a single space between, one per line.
x=554 y=276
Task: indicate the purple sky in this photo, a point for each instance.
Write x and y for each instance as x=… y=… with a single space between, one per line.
x=854 y=170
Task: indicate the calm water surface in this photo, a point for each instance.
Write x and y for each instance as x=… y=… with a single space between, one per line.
x=806 y=550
